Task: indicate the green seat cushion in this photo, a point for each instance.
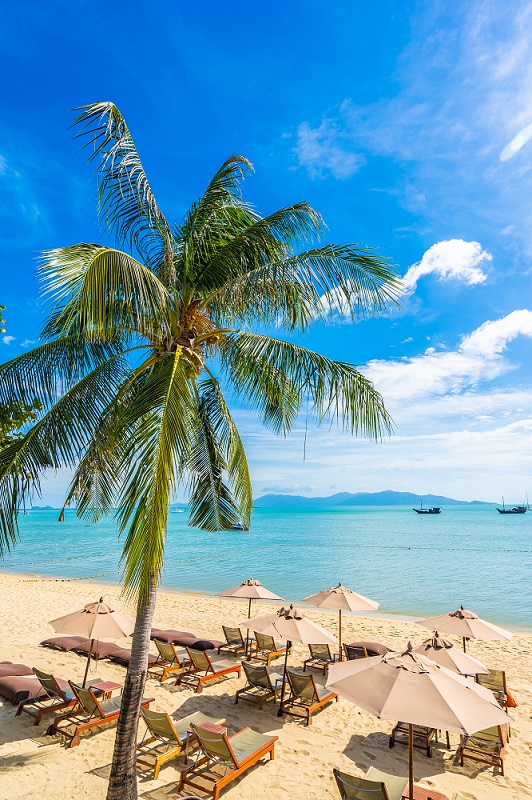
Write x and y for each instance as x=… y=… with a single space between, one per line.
x=395 y=785
x=245 y=743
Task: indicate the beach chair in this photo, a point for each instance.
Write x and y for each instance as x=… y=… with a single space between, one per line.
x=423 y=736
x=201 y=662
x=89 y=712
x=320 y=657
x=165 y=739
x=375 y=785
x=57 y=698
x=352 y=652
x=235 y=754
x=234 y=641
x=305 y=696
x=496 y=681
x=169 y=660
x=487 y=746
x=261 y=684
x=266 y=649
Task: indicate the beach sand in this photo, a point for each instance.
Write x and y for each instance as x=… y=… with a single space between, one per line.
x=341 y=735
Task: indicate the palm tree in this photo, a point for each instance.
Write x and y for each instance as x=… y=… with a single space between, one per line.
x=136 y=343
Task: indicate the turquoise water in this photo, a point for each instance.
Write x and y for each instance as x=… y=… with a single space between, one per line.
x=411 y=564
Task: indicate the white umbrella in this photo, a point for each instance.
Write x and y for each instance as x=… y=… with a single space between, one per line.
x=411 y=688
x=444 y=653
x=250 y=589
x=290 y=625
x=95 y=621
x=342 y=599
x=466 y=624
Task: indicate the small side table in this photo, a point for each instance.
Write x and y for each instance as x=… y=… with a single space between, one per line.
x=425 y=793
x=206 y=726
x=106 y=688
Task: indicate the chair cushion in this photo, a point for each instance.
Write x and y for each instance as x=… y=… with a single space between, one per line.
x=64 y=643
x=122 y=655
x=247 y=742
x=373 y=648
x=99 y=650
x=171 y=636
x=16 y=688
x=204 y=644
x=8 y=668
x=395 y=785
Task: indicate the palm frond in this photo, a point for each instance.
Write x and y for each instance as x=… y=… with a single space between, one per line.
x=126 y=201
x=276 y=376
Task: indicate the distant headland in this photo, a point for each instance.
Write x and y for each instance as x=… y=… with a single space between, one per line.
x=387 y=498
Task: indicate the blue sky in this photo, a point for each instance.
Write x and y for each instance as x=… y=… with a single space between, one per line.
x=408 y=126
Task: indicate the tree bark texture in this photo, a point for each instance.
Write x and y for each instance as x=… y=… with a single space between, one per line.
x=123 y=779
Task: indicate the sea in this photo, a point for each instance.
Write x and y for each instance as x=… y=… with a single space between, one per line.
x=412 y=565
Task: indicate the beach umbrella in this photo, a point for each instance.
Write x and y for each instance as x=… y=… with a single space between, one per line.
x=444 y=653
x=290 y=625
x=341 y=598
x=410 y=688
x=250 y=589
x=95 y=621
x=466 y=624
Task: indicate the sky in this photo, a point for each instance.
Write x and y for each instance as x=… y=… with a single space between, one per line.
x=407 y=125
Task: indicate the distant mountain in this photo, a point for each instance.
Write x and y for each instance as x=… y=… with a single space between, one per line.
x=43 y=508
x=387 y=498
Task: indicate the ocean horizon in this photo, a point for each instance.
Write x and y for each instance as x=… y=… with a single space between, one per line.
x=412 y=565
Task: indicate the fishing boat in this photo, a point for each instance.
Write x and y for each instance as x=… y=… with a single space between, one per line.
x=429 y=510
x=514 y=509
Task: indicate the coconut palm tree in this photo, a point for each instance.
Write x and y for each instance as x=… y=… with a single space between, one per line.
x=139 y=341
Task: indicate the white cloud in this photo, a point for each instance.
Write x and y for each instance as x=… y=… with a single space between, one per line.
x=477 y=358
x=321 y=151
x=517 y=143
x=8 y=339
x=453 y=259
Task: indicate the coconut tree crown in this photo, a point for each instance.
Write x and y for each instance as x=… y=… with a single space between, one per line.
x=141 y=337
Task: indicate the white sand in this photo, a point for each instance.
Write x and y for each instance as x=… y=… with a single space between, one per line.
x=341 y=735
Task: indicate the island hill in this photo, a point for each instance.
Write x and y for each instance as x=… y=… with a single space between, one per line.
x=387 y=498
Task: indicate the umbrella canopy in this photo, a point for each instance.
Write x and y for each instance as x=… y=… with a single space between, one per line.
x=342 y=599
x=291 y=625
x=410 y=688
x=466 y=624
x=250 y=589
x=444 y=653
x=95 y=621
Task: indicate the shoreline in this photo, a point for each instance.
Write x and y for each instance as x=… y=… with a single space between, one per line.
x=399 y=616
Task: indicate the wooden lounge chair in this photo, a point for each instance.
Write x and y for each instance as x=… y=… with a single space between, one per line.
x=58 y=696
x=375 y=785
x=261 y=684
x=266 y=649
x=200 y=662
x=305 y=696
x=234 y=641
x=423 y=736
x=88 y=713
x=165 y=739
x=169 y=660
x=235 y=754
x=320 y=657
x=352 y=652
x=487 y=746
x=496 y=681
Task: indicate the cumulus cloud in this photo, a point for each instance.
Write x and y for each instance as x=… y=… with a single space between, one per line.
x=477 y=358
x=8 y=339
x=322 y=151
x=454 y=259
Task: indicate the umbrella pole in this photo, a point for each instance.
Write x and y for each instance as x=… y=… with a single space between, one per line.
x=411 y=762
x=88 y=663
x=463 y=640
x=288 y=646
x=247 y=629
x=340 y=654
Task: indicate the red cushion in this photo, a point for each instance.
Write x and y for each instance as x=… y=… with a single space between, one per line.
x=170 y=635
x=64 y=643
x=8 y=668
x=16 y=688
x=205 y=644
x=123 y=656
x=99 y=649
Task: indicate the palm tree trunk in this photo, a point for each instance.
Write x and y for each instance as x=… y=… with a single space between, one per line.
x=123 y=779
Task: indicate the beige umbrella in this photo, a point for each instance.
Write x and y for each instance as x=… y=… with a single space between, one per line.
x=95 y=621
x=250 y=589
x=411 y=688
x=466 y=624
x=342 y=599
x=444 y=653
x=290 y=625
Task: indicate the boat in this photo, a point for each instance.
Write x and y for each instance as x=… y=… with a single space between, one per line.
x=514 y=509
x=178 y=510
x=429 y=510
